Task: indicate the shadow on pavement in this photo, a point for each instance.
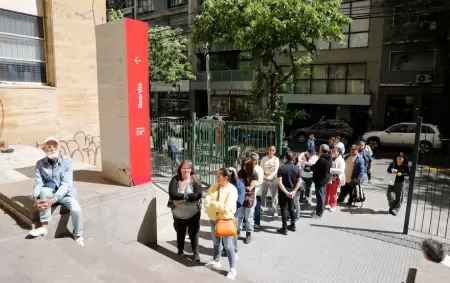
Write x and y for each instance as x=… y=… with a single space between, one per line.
x=393 y=237
x=363 y=211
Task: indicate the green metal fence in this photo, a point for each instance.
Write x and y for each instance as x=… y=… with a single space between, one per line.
x=210 y=144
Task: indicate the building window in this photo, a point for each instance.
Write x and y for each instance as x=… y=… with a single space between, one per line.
x=176 y=3
x=357 y=33
x=403 y=61
x=332 y=79
x=22 y=48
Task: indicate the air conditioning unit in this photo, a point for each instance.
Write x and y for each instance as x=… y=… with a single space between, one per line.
x=424 y=79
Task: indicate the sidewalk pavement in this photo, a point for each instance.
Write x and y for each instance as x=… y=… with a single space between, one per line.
x=349 y=245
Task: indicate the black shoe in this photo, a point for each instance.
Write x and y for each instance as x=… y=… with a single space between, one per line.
x=248 y=238
x=282 y=231
x=181 y=253
x=292 y=228
x=256 y=229
x=394 y=212
x=197 y=258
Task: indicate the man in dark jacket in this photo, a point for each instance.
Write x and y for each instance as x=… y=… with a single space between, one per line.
x=321 y=177
x=354 y=171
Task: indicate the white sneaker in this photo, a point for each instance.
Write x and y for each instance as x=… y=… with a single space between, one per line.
x=41 y=231
x=213 y=264
x=232 y=273
x=275 y=215
x=236 y=256
x=333 y=209
x=327 y=206
x=79 y=240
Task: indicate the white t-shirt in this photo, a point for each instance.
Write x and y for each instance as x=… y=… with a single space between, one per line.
x=270 y=166
x=260 y=172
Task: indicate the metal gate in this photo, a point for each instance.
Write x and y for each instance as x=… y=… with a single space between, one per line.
x=209 y=144
x=428 y=205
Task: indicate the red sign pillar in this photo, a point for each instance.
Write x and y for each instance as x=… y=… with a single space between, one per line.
x=124 y=110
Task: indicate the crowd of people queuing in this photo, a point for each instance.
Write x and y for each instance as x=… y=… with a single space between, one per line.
x=241 y=194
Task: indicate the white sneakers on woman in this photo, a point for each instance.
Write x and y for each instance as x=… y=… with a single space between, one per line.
x=41 y=231
x=232 y=273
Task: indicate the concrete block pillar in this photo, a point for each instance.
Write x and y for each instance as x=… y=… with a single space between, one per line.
x=123 y=99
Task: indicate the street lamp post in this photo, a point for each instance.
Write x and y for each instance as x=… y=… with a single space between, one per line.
x=135 y=9
x=208 y=78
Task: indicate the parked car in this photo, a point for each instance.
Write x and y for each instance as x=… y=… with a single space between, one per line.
x=169 y=125
x=259 y=127
x=403 y=135
x=324 y=129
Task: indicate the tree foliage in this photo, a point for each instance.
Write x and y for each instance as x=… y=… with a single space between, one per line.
x=167 y=53
x=269 y=30
x=422 y=20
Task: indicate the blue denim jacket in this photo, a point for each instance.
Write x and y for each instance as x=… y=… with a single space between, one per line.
x=61 y=173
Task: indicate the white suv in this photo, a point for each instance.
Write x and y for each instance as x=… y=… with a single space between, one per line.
x=403 y=134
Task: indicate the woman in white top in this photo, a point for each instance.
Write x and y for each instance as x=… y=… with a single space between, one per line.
x=270 y=165
x=337 y=178
x=306 y=160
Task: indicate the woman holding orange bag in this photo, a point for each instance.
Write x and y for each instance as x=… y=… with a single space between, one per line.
x=220 y=205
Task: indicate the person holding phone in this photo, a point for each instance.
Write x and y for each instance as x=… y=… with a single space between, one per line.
x=289 y=181
x=395 y=192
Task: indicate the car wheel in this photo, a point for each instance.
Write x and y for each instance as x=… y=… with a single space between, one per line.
x=301 y=138
x=374 y=143
x=425 y=147
x=345 y=140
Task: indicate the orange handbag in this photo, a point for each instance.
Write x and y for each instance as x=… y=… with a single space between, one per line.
x=225 y=227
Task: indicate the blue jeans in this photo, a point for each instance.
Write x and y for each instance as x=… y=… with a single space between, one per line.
x=258 y=211
x=297 y=203
x=247 y=213
x=71 y=203
x=320 y=197
x=231 y=254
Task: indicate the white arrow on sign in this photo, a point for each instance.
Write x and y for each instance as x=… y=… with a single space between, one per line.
x=137 y=60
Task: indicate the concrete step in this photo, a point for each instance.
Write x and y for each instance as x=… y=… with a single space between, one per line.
x=103 y=262
x=39 y=261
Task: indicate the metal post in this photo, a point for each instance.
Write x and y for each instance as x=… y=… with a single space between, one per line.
x=208 y=80
x=193 y=138
x=135 y=9
x=412 y=174
x=280 y=137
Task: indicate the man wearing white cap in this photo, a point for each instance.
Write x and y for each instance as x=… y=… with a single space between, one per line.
x=54 y=184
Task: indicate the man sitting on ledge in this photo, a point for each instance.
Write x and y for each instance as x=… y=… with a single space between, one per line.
x=54 y=184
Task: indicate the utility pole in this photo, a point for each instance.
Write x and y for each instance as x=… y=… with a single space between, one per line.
x=135 y=9
x=208 y=78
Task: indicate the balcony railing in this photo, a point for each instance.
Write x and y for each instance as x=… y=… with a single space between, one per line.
x=144 y=6
x=176 y=3
x=226 y=76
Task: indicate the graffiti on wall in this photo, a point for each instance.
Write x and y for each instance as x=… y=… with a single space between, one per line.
x=83 y=147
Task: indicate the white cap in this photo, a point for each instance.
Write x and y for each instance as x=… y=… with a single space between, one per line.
x=51 y=139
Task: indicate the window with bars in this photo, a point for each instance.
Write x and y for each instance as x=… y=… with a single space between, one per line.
x=176 y=3
x=22 y=48
x=357 y=33
x=332 y=79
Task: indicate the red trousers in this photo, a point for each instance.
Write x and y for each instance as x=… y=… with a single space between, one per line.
x=331 y=193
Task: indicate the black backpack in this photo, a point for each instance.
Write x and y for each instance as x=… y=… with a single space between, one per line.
x=358 y=194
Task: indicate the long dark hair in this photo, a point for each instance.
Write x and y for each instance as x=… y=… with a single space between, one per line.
x=247 y=171
x=233 y=177
x=189 y=163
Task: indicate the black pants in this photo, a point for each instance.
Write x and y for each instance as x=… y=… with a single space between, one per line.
x=192 y=225
x=395 y=196
x=320 y=198
x=346 y=190
x=287 y=208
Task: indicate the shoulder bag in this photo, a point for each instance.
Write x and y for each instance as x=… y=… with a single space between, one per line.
x=224 y=227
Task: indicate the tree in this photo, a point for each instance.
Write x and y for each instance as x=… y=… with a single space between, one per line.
x=168 y=62
x=268 y=30
x=422 y=20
